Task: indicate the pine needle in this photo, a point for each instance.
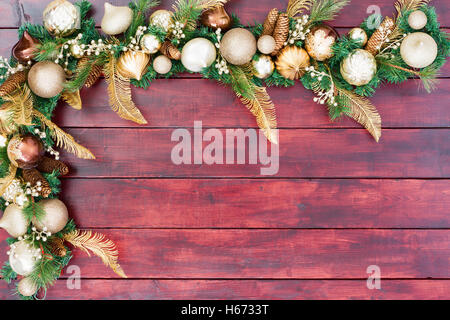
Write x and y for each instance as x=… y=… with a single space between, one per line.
x=99 y=245
x=326 y=10
x=296 y=7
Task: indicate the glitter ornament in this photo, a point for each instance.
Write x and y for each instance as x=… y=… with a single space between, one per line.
x=417 y=20
x=150 y=44
x=358 y=35
x=116 y=19
x=132 y=65
x=55 y=218
x=13 y=221
x=263 y=66
x=419 y=50
x=23 y=257
x=319 y=42
x=359 y=67
x=266 y=44
x=162 y=19
x=25 y=151
x=27 y=287
x=197 y=54
x=61 y=18
x=162 y=64
x=24 y=50
x=238 y=46
x=46 y=79
x=76 y=51
x=292 y=61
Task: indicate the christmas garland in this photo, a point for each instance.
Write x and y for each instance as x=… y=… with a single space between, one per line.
x=67 y=53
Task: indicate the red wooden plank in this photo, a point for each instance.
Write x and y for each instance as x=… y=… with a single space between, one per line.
x=237 y=203
x=244 y=289
x=15 y=13
x=272 y=254
x=307 y=153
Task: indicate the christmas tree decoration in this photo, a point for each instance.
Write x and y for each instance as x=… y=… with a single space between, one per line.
x=162 y=64
x=419 y=50
x=132 y=65
x=61 y=18
x=150 y=44
x=238 y=46
x=12 y=83
x=23 y=257
x=48 y=165
x=162 y=19
x=379 y=37
x=73 y=99
x=263 y=66
x=266 y=44
x=359 y=67
x=76 y=51
x=292 y=61
x=319 y=42
x=281 y=33
x=27 y=287
x=46 y=79
x=197 y=54
x=359 y=35
x=55 y=216
x=116 y=20
x=25 y=151
x=57 y=247
x=13 y=221
x=216 y=18
x=25 y=50
x=417 y=20
x=270 y=22
x=37 y=180
x=170 y=51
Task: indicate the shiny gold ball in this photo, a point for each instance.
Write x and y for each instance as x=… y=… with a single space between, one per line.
x=27 y=287
x=55 y=218
x=162 y=64
x=292 y=61
x=418 y=50
x=319 y=42
x=238 y=46
x=359 y=67
x=76 y=51
x=263 y=66
x=150 y=44
x=46 y=79
x=61 y=18
x=162 y=19
x=358 y=35
x=417 y=20
x=266 y=44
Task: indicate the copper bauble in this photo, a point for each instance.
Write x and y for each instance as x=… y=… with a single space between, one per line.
x=359 y=67
x=25 y=49
x=292 y=61
x=216 y=18
x=55 y=218
x=319 y=42
x=46 y=79
x=238 y=46
x=132 y=65
x=25 y=151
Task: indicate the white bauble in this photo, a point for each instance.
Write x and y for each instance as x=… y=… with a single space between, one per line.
x=263 y=66
x=266 y=44
x=197 y=54
x=116 y=19
x=417 y=20
x=61 y=18
x=359 y=67
x=238 y=46
x=23 y=257
x=55 y=218
x=150 y=44
x=162 y=64
x=13 y=221
x=419 y=50
x=27 y=287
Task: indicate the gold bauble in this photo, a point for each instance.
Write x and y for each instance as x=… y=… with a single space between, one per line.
x=76 y=51
x=419 y=50
x=266 y=44
x=13 y=221
x=197 y=54
x=359 y=35
x=238 y=46
x=162 y=19
x=27 y=287
x=162 y=64
x=319 y=42
x=116 y=19
x=46 y=79
x=132 y=65
x=359 y=67
x=263 y=66
x=55 y=218
x=61 y=18
x=23 y=257
x=150 y=43
x=292 y=61
x=417 y=20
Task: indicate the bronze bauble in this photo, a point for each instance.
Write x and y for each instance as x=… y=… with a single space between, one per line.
x=216 y=18
x=319 y=42
x=46 y=79
x=25 y=49
x=238 y=46
x=25 y=151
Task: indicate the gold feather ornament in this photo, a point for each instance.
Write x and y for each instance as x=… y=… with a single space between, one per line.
x=292 y=61
x=73 y=99
x=133 y=64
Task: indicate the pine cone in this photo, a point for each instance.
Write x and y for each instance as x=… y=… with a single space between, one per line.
x=48 y=165
x=12 y=83
x=271 y=21
x=170 y=51
x=281 y=33
x=33 y=176
x=94 y=75
x=56 y=246
x=379 y=37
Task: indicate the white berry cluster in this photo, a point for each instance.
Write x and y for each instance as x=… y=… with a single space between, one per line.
x=299 y=33
x=221 y=63
x=35 y=190
x=134 y=40
x=4 y=64
x=38 y=235
x=48 y=148
x=393 y=46
x=15 y=194
x=323 y=96
x=178 y=32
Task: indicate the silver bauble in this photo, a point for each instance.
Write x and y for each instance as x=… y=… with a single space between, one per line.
x=116 y=19
x=46 y=79
x=263 y=66
x=61 y=18
x=238 y=46
x=150 y=44
x=359 y=67
x=359 y=35
x=27 y=287
x=418 y=50
x=197 y=54
x=55 y=218
x=162 y=64
x=23 y=257
x=13 y=221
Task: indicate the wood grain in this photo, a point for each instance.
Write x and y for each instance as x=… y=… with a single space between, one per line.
x=246 y=289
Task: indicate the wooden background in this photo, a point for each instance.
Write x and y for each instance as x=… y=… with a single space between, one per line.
x=340 y=202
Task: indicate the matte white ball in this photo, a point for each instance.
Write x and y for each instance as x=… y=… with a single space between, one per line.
x=23 y=257
x=197 y=54
x=13 y=221
x=419 y=50
x=266 y=44
x=417 y=20
x=55 y=218
x=27 y=287
x=162 y=64
x=116 y=19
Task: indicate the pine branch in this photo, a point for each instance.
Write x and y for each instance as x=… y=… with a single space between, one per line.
x=326 y=10
x=140 y=8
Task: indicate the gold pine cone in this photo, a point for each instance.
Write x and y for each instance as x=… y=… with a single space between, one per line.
x=170 y=51
x=133 y=64
x=379 y=37
x=281 y=32
x=271 y=20
x=12 y=83
x=292 y=61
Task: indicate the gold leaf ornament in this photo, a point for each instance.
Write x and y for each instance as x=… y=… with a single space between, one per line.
x=99 y=245
x=73 y=99
x=6 y=181
x=19 y=106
